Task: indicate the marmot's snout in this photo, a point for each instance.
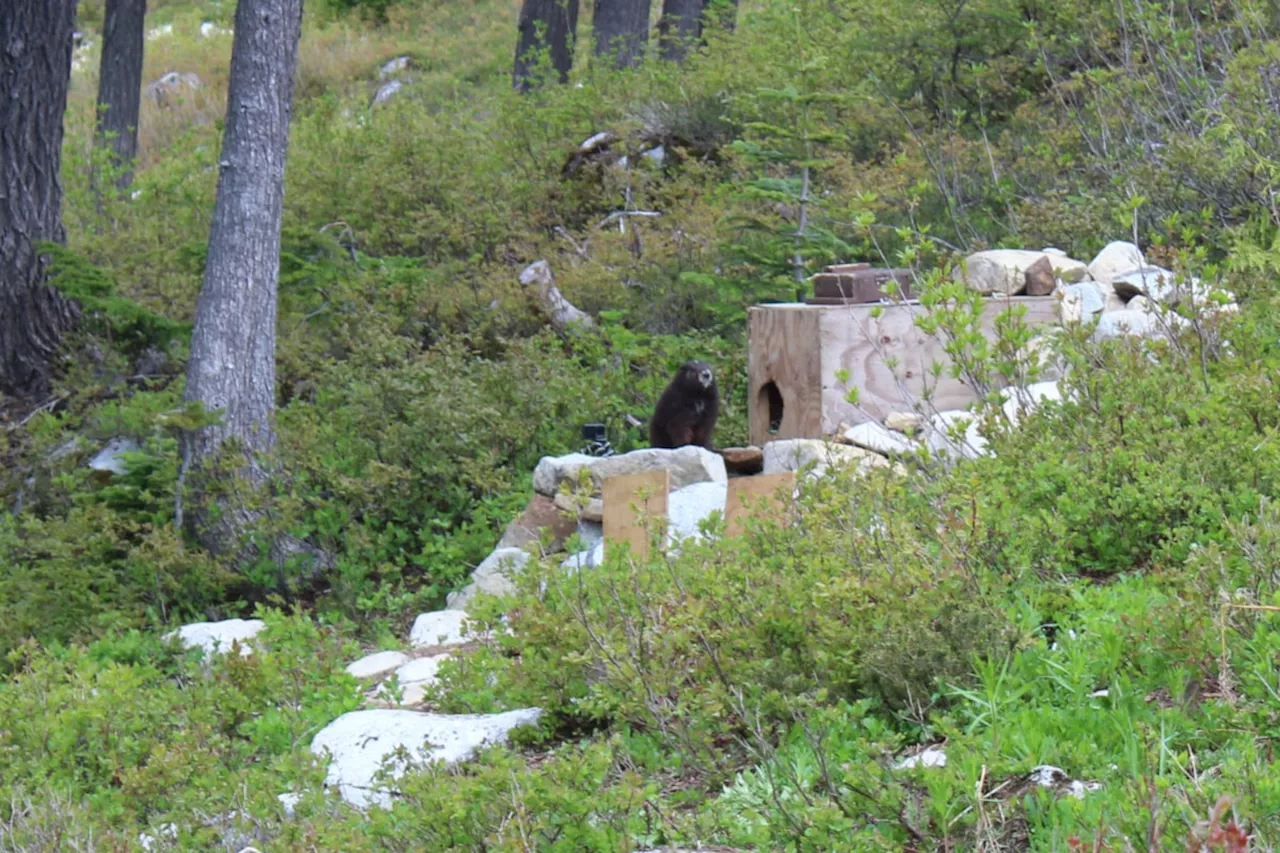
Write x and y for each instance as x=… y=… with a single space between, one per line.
x=706 y=377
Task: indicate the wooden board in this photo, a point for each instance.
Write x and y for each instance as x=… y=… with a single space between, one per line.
x=854 y=340
x=625 y=513
x=764 y=494
x=783 y=350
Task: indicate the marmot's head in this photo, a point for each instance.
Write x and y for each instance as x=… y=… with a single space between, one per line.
x=697 y=375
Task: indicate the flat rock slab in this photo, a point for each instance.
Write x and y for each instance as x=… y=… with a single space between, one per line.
x=359 y=742
x=441 y=628
x=376 y=664
x=743 y=461
x=218 y=636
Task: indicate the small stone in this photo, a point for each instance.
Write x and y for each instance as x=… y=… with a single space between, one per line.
x=1115 y=258
x=905 y=422
x=1039 y=278
x=930 y=757
x=376 y=664
x=441 y=628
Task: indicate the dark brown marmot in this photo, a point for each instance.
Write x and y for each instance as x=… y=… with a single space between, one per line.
x=686 y=412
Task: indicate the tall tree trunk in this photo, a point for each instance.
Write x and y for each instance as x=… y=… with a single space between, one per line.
x=35 y=70
x=621 y=28
x=545 y=24
x=679 y=28
x=120 y=82
x=232 y=364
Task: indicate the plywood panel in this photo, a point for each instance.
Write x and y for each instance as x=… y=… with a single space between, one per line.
x=783 y=349
x=762 y=495
x=854 y=340
x=625 y=512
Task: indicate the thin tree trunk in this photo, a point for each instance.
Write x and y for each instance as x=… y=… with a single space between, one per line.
x=120 y=83
x=232 y=364
x=550 y=25
x=679 y=29
x=621 y=28
x=35 y=71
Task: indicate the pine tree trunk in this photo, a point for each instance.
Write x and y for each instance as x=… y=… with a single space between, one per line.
x=232 y=364
x=679 y=29
x=35 y=70
x=621 y=28
x=560 y=19
x=120 y=82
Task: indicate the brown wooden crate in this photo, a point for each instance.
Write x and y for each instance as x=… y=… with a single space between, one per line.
x=622 y=522
x=764 y=495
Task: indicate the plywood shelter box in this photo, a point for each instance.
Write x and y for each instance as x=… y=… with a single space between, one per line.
x=794 y=351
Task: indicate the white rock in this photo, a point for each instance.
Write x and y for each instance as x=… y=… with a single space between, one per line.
x=655 y=155
x=159 y=32
x=148 y=842
x=376 y=664
x=111 y=457
x=1081 y=301
x=938 y=435
x=208 y=30
x=1134 y=323
x=1020 y=400
x=395 y=66
x=1052 y=250
x=1055 y=778
x=873 y=436
x=588 y=559
x=931 y=757
x=551 y=471
x=792 y=454
x=688 y=507
x=905 y=422
x=359 y=742
x=387 y=92
x=441 y=628
x=1156 y=282
x=218 y=636
x=416 y=676
x=289 y=800
x=493 y=576
x=1003 y=270
x=1115 y=258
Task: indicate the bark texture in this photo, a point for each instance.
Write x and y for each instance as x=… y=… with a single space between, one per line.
x=680 y=28
x=621 y=29
x=35 y=70
x=550 y=25
x=120 y=82
x=232 y=365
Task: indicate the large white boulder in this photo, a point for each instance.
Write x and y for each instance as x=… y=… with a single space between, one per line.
x=219 y=636
x=1115 y=258
x=687 y=465
x=360 y=742
x=873 y=436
